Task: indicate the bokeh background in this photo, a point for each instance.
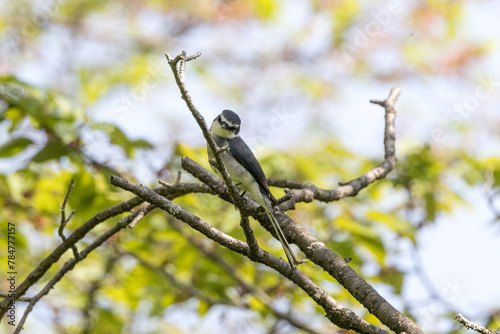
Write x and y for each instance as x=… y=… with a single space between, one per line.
x=86 y=92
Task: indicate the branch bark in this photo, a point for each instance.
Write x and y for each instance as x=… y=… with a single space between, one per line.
x=475 y=327
x=262 y=296
x=301 y=192
x=317 y=252
x=172 y=192
x=336 y=313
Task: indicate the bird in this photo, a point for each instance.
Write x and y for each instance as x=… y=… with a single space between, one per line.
x=244 y=169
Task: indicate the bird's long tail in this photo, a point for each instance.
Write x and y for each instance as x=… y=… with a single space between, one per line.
x=286 y=247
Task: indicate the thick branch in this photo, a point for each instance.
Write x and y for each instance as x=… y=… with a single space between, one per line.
x=262 y=296
x=318 y=253
x=337 y=267
x=339 y=315
x=314 y=249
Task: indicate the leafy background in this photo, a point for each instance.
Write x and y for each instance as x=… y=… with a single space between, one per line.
x=85 y=93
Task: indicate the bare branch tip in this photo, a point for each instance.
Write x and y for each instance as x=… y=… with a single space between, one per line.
x=391 y=99
x=379 y=102
x=393 y=96
x=470 y=325
x=193 y=57
x=164 y=183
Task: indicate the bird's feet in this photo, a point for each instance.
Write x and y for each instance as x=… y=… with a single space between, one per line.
x=238 y=185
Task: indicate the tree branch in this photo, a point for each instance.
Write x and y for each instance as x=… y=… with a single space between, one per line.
x=178 y=66
x=249 y=235
x=336 y=313
x=314 y=249
x=175 y=191
x=338 y=268
x=475 y=327
x=262 y=296
x=69 y=265
x=22 y=299
x=65 y=221
x=303 y=192
x=317 y=252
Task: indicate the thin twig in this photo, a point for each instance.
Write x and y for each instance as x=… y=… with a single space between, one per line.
x=164 y=183
x=79 y=233
x=65 y=220
x=316 y=250
x=249 y=235
x=69 y=265
x=470 y=325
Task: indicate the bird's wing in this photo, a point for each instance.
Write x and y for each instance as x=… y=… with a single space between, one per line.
x=244 y=155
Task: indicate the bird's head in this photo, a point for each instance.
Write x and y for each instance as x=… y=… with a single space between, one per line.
x=226 y=125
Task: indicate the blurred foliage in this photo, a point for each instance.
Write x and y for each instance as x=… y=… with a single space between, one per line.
x=50 y=139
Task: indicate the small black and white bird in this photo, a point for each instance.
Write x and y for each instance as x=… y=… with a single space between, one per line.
x=244 y=169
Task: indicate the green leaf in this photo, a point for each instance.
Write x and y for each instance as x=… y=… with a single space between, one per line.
x=14 y=146
x=117 y=137
x=392 y=276
x=141 y=144
x=107 y=321
x=203 y=307
x=15 y=116
x=265 y=8
x=52 y=150
x=395 y=223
